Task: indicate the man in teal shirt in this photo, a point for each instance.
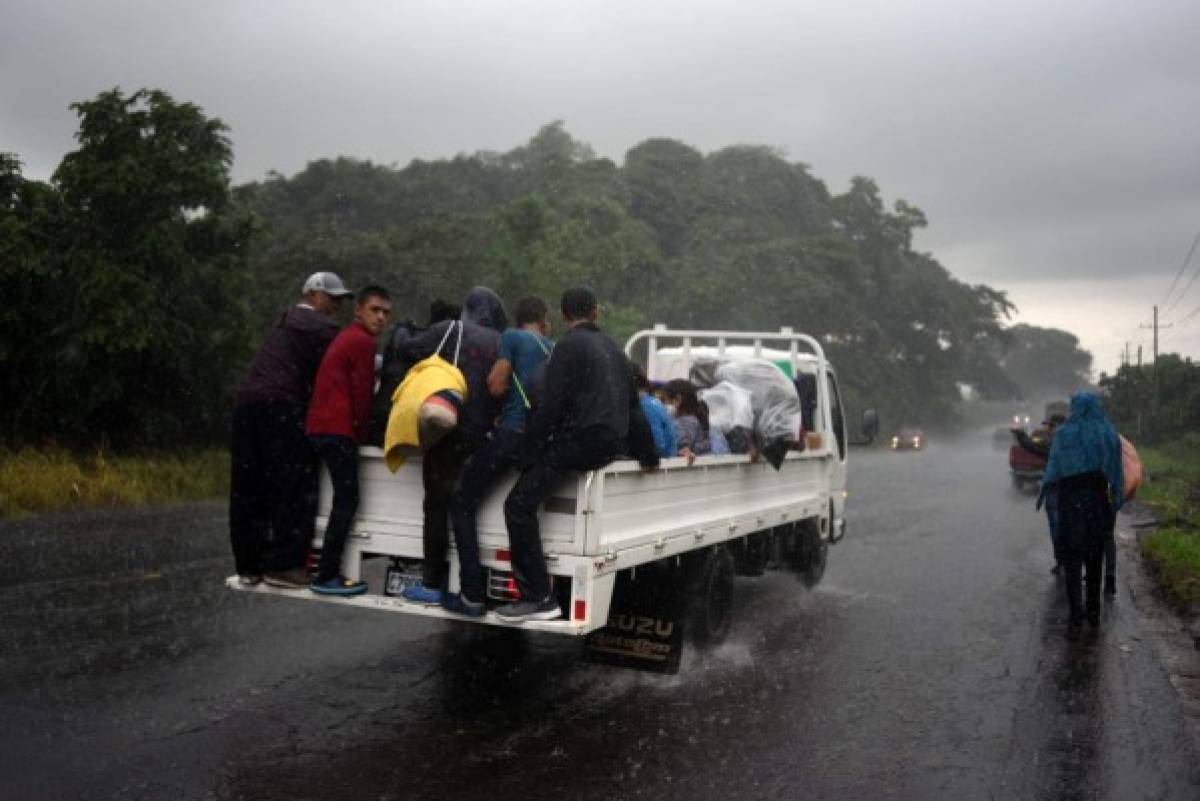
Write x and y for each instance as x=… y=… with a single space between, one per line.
x=523 y=352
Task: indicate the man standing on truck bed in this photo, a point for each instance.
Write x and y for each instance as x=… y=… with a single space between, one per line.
x=523 y=352
x=588 y=415
x=338 y=422
x=273 y=478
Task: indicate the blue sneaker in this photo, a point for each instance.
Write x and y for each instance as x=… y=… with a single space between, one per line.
x=459 y=604
x=338 y=585
x=420 y=594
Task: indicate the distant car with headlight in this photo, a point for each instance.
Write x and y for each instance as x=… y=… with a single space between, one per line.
x=908 y=439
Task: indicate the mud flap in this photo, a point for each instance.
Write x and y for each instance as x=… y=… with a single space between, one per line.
x=645 y=624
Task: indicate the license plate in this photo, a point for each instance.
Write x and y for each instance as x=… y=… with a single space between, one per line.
x=401 y=578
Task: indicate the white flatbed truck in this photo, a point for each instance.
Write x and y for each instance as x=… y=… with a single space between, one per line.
x=665 y=544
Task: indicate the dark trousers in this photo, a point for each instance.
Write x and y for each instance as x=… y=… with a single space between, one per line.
x=1075 y=563
x=340 y=455
x=440 y=468
x=589 y=449
x=494 y=458
x=1110 y=551
x=1052 y=520
x=1085 y=517
x=272 y=489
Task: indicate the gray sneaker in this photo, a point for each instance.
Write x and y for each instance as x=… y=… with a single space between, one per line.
x=294 y=578
x=546 y=609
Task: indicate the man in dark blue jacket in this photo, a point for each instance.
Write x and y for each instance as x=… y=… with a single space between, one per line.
x=273 y=484
x=589 y=414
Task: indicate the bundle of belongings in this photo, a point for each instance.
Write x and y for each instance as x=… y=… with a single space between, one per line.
x=751 y=399
x=425 y=406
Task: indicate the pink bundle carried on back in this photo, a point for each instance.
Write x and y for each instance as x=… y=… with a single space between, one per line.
x=1131 y=469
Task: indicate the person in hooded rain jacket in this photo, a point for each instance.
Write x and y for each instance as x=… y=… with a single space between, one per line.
x=476 y=344
x=1085 y=468
x=273 y=486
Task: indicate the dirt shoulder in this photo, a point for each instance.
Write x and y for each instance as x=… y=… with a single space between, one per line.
x=1175 y=629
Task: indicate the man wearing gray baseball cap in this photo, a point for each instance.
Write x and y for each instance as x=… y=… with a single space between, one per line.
x=273 y=487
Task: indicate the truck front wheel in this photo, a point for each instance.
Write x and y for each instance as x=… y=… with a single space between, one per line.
x=710 y=593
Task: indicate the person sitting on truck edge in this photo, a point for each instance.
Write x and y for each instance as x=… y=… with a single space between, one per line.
x=657 y=416
x=588 y=415
x=273 y=480
x=476 y=345
x=689 y=418
x=338 y=422
x=523 y=352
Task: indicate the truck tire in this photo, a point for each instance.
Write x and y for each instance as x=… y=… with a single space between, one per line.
x=710 y=597
x=812 y=553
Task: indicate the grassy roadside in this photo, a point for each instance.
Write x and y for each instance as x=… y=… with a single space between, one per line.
x=34 y=481
x=1173 y=488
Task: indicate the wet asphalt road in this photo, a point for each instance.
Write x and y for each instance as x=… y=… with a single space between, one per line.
x=930 y=663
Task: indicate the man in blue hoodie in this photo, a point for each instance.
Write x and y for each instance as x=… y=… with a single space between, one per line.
x=523 y=354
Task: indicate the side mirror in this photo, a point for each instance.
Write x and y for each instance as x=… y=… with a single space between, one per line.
x=870 y=424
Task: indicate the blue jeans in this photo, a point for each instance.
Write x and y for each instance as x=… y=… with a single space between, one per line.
x=495 y=457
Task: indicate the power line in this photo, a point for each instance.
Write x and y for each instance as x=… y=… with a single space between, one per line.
x=1182 y=267
x=1180 y=323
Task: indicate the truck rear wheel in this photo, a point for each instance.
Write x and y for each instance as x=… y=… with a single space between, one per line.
x=812 y=553
x=710 y=597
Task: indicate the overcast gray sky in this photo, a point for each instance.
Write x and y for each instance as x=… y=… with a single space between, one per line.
x=1053 y=145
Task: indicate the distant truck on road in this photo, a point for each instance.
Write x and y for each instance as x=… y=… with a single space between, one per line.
x=636 y=557
x=1026 y=466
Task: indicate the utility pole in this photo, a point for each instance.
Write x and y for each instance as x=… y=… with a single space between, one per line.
x=1139 y=357
x=1154 y=363
x=1156 y=326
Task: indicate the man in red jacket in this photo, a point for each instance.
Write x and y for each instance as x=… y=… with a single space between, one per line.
x=338 y=421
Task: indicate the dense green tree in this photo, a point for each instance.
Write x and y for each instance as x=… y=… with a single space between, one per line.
x=143 y=262
x=1045 y=362
x=741 y=238
x=1155 y=403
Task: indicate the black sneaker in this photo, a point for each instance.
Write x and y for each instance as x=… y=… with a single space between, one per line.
x=249 y=579
x=459 y=604
x=294 y=578
x=545 y=609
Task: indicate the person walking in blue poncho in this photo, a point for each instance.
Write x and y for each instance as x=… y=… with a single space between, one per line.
x=1085 y=468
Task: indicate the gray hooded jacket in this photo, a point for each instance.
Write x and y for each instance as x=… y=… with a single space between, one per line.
x=483 y=320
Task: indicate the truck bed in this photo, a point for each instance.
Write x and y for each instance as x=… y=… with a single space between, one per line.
x=595 y=525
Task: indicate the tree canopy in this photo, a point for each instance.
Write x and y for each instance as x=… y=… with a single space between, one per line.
x=129 y=270
x=738 y=238
x=139 y=281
